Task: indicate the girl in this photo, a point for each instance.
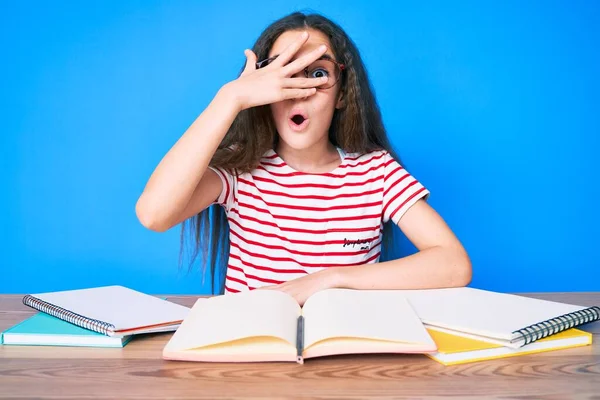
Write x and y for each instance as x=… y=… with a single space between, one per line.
x=289 y=175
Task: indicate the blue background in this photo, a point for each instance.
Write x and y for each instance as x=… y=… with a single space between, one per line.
x=494 y=107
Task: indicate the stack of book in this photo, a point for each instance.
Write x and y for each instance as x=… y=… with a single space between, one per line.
x=108 y=316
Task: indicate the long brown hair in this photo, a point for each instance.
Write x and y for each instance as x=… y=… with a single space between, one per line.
x=356 y=128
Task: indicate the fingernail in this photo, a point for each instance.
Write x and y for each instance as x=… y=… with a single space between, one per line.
x=304 y=35
x=322 y=47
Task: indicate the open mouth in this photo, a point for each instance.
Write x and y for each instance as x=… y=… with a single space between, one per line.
x=298 y=120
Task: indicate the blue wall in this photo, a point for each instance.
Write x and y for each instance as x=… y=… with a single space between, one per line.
x=494 y=107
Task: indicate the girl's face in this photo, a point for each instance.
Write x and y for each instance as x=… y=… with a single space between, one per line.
x=318 y=108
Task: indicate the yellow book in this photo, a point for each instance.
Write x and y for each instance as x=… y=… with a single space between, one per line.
x=453 y=349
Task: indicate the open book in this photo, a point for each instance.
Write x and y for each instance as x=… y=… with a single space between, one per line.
x=267 y=325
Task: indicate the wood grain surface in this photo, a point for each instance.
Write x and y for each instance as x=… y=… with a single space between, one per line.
x=137 y=371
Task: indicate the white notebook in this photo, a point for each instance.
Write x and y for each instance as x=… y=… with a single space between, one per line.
x=506 y=319
x=111 y=310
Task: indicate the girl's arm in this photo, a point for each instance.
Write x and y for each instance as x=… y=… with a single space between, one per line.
x=182 y=185
x=440 y=262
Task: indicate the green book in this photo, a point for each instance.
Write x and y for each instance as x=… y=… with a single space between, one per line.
x=45 y=330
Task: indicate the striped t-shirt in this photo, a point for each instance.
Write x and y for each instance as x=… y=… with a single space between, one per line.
x=285 y=224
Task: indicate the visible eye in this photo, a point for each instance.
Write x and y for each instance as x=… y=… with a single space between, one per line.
x=318 y=73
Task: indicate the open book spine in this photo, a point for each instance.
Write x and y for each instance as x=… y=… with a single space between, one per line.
x=69 y=316
x=551 y=326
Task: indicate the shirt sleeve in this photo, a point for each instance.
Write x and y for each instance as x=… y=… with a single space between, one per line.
x=227 y=196
x=400 y=190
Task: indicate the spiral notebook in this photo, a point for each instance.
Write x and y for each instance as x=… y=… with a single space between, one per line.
x=111 y=310
x=505 y=319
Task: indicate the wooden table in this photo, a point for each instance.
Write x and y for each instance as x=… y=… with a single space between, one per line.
x=138 y=372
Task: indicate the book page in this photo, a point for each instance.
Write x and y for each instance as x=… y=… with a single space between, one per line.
x=231 y=317
x=365 y=314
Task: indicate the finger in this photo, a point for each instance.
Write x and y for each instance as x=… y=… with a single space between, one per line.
x=287 y=54
x=250 y=61
x=298 y=93
x=304 y=61
x=302 y=83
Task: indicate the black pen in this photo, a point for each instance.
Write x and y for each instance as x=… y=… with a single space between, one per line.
x=300 y=340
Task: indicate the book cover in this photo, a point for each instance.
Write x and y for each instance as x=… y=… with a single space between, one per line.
x=45 y=330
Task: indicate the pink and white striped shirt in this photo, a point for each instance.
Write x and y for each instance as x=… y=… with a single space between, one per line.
x=285 y=224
